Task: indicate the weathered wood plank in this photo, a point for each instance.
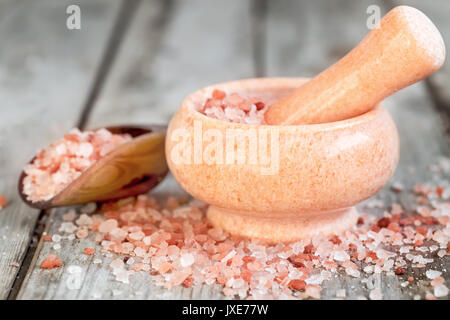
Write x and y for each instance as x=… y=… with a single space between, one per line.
x=166 y=55
x=305 y=37
x=45 y=71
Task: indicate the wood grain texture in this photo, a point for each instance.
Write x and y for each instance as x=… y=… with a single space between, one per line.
x=167 y=55
x=45 y=72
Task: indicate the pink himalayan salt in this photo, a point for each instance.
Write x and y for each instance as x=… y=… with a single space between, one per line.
x=52 y=261
x=215 y=243
x=107 y=226
x=55 y=167
x=250 y=268
x=82 y=233
x=234 y=108
x=437 y=281
x=89 y=251
x=3 y=201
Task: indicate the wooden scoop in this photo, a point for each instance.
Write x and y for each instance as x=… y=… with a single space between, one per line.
x=403 y=49
x=132 y=168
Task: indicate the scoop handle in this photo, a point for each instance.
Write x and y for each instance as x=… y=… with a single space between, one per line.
x=404 y=48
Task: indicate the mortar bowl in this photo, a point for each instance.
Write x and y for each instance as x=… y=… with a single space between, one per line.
x=299 y=181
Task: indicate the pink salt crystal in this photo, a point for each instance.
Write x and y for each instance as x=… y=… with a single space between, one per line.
x=186 y=260
x=84 y=220
x=163 y=267
x=349 y=264
x=140 y=252
x=173 y=250
x=217 y=234
x=437 y=281
x=3 y=201
x=107 y=225
x=117 y=263
x=441 y=253
x=82 y=233
x=56 y=238
x=234 y=108
x=352 y=272
x=67 y=227
x=397 y=209
x=341 y=256
x=432 y=274
x=172 y=203
x=147 y=240
x=52 y=261
x=136 y=236
x=313 y=291
x=178 y=277
x=118 y=234
x=127 y=248
x=228 y=256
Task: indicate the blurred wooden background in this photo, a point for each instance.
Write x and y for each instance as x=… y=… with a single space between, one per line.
x=133 y=62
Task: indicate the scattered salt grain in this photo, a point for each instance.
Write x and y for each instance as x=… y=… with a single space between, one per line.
x=107 y=225
x=52 y=261
x=3 y=201
x=431 y=274
x=180 y=247
x=117 y=263
x=341 y=256
x=234 y=108
x=56 y=238
x=67 y=227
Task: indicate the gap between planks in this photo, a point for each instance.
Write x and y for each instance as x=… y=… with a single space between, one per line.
x=122 y=21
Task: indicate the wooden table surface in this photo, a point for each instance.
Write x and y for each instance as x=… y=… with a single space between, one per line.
x=133 y=62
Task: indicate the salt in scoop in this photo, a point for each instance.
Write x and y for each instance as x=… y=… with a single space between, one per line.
x=132 y=168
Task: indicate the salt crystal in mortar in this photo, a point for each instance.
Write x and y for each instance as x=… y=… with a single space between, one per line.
x=234 y=108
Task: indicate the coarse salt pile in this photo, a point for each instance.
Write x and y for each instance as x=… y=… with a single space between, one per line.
x=62 y=162
x=176 y=244
x=234 y=108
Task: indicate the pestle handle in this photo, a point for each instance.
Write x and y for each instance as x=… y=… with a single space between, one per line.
x=405 y=48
